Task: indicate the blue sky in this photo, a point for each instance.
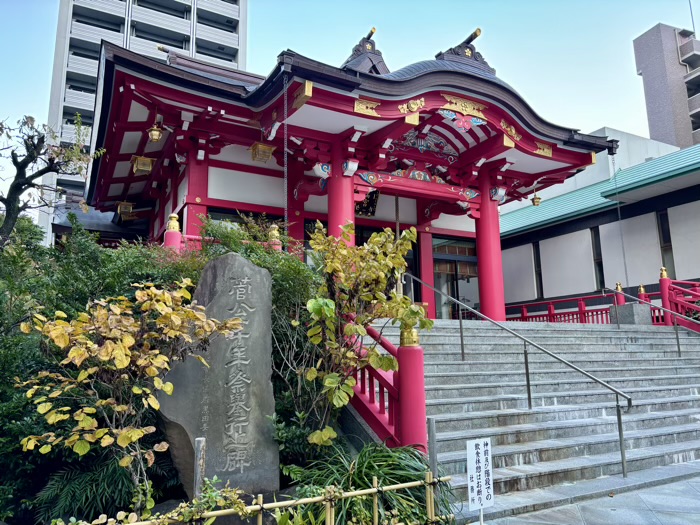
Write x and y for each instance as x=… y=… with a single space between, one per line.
x=572 y=60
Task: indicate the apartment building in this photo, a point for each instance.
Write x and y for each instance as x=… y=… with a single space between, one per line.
x=214 y=31
x=668 y=60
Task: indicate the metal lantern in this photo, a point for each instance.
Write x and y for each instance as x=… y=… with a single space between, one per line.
x=261 y=152
x=368 y=207
x=536 y=200
x=155 y=133
x=125 y=211
x=142 y=165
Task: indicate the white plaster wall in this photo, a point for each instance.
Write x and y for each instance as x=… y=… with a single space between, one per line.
x=685 y=238
x=519 y=274
x=455 y=222
x=182 y=190
x=317 y=203
x=386 y=210
x=239 y=186
x=642 y=251
x=567 y=264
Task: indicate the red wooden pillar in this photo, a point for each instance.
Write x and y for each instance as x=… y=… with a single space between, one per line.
x=427 y=271
x=341 y=200
x=664 y=288
x=197 y=190
x=488 y=251
x=619 y=298
x=412 y=421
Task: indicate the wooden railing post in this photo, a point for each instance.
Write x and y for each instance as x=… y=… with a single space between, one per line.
x=173 y=236
x=412 y=429
x=581 y=311
x=523 y=313
x=550 y=312
x=664 y=288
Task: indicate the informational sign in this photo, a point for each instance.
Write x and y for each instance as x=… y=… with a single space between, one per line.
x=480 y=481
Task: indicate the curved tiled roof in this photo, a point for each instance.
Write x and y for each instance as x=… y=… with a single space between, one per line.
x=424 y=67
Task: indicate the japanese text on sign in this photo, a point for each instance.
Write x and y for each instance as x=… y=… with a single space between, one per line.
x=479 y=473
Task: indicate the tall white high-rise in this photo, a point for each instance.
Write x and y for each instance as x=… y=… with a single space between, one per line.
x=213 y=31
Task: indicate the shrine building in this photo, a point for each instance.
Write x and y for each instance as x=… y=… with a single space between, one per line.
x=437 y=145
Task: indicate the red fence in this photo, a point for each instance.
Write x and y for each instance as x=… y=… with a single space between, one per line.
x=580 y=313
x=376 y=396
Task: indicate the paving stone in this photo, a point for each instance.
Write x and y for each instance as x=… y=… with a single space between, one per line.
x=595 y=515
x=678 y=518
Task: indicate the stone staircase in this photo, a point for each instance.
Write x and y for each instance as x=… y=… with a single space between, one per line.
x=570 y=436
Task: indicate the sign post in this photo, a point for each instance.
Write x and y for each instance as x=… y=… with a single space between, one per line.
x=480 y=480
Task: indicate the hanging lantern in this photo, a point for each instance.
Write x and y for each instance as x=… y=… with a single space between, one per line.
x=368 y=207
x=536 y=200
x=261 y=152
x=125 y=211
x=142 y=165
x=155 y=133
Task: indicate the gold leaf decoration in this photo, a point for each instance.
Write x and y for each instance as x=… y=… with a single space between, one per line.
x=464 y=106
x=366 y=107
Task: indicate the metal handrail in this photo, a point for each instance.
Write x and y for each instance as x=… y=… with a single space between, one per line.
x=526 y=341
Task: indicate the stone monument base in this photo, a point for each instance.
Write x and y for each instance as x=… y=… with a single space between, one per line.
x=632 y=313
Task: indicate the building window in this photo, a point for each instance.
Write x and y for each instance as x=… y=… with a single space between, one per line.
x=665 y=242
x=597 y=258
x=538 y=269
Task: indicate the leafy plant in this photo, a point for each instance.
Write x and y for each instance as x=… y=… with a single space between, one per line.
x=389 y=466
x=111 y=361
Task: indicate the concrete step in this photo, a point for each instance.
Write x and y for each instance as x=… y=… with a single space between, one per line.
x=443 y=405
x=655 y=352
x=556 y=449
x=549 y=473
x=433 y=366
x=515 y=502
x=453 y=421
x=580 y=384
x=459 y=377
x=503 y=435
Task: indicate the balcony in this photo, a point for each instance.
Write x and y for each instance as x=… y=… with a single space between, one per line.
x=79 y=100
x=149 y=48
x=84 y=66
x=690 y=53
x=220 y=8
x=68 y=133
x=160 y=20
x=94 y=34
x=217 y=36
x=112 y=7
x=217 y=61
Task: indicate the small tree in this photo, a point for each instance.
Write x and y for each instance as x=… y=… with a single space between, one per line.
x=359 y=287
x=35 y=152
x=111 y=361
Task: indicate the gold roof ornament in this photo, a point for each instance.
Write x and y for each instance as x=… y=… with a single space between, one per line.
x=173 y=224
x=409 y=337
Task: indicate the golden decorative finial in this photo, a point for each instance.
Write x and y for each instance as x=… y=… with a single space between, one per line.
x=409 y=337
x=664 y=274
x=173 y=224
x=618 y=287
x=371 y=33
x=641 y=289
x=274 y=233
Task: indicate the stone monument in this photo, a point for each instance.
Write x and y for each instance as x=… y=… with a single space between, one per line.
x=229 y=402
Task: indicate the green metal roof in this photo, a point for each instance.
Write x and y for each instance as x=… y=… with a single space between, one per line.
x=591 y=199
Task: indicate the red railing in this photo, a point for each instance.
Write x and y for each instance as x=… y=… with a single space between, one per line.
x=682 y=299
x=581 y=313
x=376 y=396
